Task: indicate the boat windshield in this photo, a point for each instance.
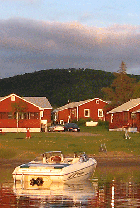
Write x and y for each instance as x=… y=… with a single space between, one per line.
x=53 y=153
x=48 y=155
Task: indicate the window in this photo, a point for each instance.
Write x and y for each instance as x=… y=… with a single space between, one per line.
x=133 y=115
x=29 y=117
x=9 y=115
x=20 y=115
x=3 y=115
x=36 y=115
x=61 y=122
x=0 y=115
x=100 y=112
x=23 y=116
x=87 y=112
x=13 y=98
x=33 y=115
x=26 y=115
x=74 y=112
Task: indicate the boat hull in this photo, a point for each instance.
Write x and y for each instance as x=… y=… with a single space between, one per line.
x=71 y=173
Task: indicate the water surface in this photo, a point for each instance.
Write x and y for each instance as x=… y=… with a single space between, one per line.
x=110 y=186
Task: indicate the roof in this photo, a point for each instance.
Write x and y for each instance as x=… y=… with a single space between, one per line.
x=41 y=102
x=126 y=106
x=76 y=104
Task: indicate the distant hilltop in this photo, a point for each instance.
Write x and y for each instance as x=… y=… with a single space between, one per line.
x=59 y=85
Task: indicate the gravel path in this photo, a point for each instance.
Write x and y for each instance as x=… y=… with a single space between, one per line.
x=80 y=134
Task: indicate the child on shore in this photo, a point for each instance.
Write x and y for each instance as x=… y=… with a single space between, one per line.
x=28 y=135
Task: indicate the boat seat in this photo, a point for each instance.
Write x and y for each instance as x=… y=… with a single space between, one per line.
x=56 y=159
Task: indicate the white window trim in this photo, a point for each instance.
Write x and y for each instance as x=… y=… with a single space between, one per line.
x=112 y=118
x=61 y=122
x=41 y=114
x=100 y=110
x=88 y=112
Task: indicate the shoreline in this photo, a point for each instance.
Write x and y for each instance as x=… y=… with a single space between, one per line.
x=118 y=161
x=102 y=160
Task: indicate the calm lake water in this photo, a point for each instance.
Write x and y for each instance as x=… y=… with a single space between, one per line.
x=110 y=186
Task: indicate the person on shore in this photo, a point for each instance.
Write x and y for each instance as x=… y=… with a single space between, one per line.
x=28 y=135
x=126 y=132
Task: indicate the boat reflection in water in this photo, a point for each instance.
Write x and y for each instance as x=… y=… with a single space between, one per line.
x=100 y=192
x=65 y=195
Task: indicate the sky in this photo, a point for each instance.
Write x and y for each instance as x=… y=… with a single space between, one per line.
x=49 y=34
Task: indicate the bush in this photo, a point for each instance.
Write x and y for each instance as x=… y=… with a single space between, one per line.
x=82 y=121
x=103 y=124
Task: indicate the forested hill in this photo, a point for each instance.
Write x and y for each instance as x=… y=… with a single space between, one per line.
x=59 y=85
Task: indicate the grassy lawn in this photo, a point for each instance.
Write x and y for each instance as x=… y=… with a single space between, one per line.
x=15 y=146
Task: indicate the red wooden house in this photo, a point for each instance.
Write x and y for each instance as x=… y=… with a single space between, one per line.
x=127 y=114
x=19 y=113
x=91 y=108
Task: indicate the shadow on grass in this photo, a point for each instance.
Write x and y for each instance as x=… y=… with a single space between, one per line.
x=19 y=138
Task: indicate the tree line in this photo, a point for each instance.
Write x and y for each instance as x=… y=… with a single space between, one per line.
x=122 y=89
x=61 y=85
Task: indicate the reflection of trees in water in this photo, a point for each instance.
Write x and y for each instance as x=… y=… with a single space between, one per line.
x=117 y=193
x=117 y=185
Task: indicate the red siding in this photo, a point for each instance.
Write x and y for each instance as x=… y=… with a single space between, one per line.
x=117 y=121
x=6 y=105
x=93 y=106
x=72 y=112
x=121 y=119
x=30 y=123
x=137 y=121
x=12 y=123
x=8 y=123
x=47 y=115
x=63 y=115
x=31 y=112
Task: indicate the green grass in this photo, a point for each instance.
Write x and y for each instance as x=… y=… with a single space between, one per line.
x=15 y=146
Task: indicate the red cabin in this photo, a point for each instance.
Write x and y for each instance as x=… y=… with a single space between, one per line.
x=127 y=114
x=19 y=113
x=92 y=108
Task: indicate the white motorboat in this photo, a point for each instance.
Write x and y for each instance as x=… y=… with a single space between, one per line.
x=53 y=167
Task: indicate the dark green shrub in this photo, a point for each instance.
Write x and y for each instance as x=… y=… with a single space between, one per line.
x=103 y=124
x=82 y=121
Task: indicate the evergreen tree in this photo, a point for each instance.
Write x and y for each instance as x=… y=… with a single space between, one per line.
x=136 y=93
x=123 y=68
x=121 y=89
